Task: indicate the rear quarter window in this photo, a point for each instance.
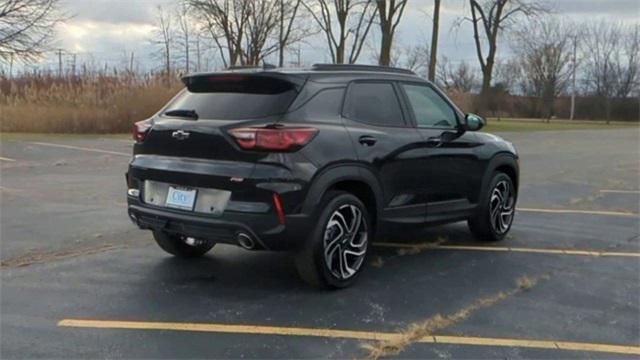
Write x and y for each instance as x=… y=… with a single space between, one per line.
x=324 y=105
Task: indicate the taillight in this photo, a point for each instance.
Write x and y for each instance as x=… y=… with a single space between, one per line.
x=141 y=129
x=277 y=139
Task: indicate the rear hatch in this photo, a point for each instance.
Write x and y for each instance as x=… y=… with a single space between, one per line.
x=188 y=143
x=195 y=124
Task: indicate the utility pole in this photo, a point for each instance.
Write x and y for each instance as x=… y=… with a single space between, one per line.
x=73 y=65
x=11 y=66
x=198 y=53
x=131 y=63
x=186 y=51
x=59 y=63
x=433 y=54
x=573 y=77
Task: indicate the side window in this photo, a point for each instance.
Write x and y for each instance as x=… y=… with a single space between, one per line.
x=373 y=103
x=324 y=105
x=429 y=108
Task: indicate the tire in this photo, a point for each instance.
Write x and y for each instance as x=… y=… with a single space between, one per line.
x=177 y=246
x=483 y=225
x=338 y=211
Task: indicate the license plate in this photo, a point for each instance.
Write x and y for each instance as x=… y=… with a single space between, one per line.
x=181 y=198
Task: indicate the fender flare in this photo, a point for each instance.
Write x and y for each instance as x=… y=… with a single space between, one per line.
x=499 y=160
x=335 y=174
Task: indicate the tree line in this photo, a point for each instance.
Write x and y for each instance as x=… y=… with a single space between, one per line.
x=551 y=57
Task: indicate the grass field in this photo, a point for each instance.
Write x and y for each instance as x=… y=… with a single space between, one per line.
x=105 y=104
x=519 y=125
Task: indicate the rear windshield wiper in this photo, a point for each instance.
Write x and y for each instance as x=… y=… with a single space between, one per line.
x=183 y=113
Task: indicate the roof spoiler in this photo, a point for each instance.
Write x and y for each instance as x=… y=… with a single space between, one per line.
x=202 y=81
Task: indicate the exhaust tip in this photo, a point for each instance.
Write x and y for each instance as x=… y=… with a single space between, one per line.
x=133 y=192
x=245 y=241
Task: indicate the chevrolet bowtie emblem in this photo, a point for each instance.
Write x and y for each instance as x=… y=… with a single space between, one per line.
x=180 y=135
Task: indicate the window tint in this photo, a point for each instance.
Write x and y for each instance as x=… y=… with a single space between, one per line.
x=429 y=108
x=324 y=105
x=235 y=98
x=374 y=103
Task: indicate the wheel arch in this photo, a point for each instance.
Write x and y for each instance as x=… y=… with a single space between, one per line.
x=503 y=162
x=354 y=179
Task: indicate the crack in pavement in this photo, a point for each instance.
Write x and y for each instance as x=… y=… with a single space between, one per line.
x=417 y=331
x=40 y=257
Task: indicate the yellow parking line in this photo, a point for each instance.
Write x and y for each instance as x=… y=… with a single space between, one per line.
x=620 y=191
x=227 y=328
x=82 y=148
x=575 y=211
x=426 y=246
x=347 y=334
x=6 y=159
x=539 y=344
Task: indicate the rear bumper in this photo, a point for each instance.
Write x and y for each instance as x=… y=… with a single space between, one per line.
x=263 y=229
x=250 y=209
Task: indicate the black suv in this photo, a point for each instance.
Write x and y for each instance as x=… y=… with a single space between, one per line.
x=314 y=161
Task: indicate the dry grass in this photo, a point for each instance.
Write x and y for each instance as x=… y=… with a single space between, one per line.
x=377 y=262
x=37 y=257
x=525 y=283
x=418 y=331
x=418 y=248
x=102 y=102
x=92 y=104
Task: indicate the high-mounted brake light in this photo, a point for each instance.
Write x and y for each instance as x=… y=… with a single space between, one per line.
x=141 y=129
x=276 y=139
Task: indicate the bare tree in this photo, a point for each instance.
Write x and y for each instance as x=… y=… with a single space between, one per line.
x=27 y=27
x=345 y=23
x=489 y=19
x=185 y=31
x=291 y=28
x=414 y=58
x=261 y=22
x=225 y=21
x=247 y=31
x=434 y=40
x=163 y=37
x=628 y=68
x=508 y=75
x=612 y=60
x=545 y=53
x=460 y=78
x=389 y=14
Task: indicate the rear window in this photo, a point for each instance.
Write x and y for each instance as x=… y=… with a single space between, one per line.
x=233 y=97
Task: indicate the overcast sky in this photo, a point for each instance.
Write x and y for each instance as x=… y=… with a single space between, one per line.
x=106 y=30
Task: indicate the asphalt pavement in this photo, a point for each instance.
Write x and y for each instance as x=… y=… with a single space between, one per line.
x=80 y=281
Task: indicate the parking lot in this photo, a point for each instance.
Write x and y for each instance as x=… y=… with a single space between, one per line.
x=80 y=281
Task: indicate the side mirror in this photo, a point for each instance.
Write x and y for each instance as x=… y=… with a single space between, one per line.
x=473 y=122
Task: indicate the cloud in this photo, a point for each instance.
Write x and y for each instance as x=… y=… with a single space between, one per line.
x=610 y=8
x=107 y=28
x=98 y=35
x=115 y=11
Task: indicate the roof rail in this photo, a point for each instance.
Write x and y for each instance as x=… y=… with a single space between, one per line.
x=265 y=66
x=356 y=67
x=242 y=67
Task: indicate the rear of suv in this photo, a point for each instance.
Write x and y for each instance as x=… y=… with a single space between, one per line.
x=314 y=162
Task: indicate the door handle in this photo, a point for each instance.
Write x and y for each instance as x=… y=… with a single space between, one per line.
x=367 y=140
x=434 y=141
